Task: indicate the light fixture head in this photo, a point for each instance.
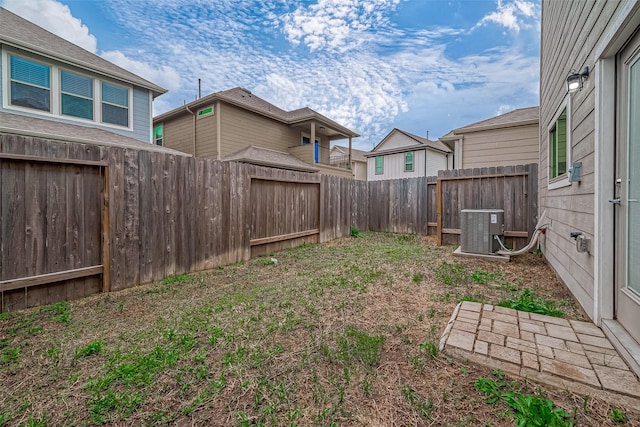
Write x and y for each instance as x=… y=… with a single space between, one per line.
x=575 y=81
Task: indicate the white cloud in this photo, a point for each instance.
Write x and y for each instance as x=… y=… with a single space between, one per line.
x=510 y=15
x=336 y=25
x=364 y=72
x=56 y=18
x=164 y=75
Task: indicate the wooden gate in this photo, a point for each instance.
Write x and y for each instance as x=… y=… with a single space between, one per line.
x=54 y=218
x=284 y=213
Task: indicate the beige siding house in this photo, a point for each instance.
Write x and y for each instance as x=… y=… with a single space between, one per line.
x=339 y=157
x=237 y=125
x=405 y=155
x=589 y=157
x=504 y=140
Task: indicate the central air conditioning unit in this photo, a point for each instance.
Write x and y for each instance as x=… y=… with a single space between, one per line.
x=478 y=228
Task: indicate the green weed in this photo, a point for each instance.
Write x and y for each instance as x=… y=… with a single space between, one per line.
x=59 y=311
x=452 y=273
x=431 y=348
x=357 y=346
x=419 y=404
x=528 y=410
x=182 y=278
x=483 y=277
x=529 y=302
x=94 y=347
x=617 y=416
x=354 y=232
x=417 y=277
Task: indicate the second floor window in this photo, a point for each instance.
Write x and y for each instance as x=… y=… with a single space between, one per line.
x=76 y=95
x=408 y=161
x=30 y=84
x=115 y=104
x=379 y=165
x=157 y=135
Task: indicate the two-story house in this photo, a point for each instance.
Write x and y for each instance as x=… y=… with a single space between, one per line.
x=401 y=154
x=54 y=87
x=504 y=140
x=237 y=125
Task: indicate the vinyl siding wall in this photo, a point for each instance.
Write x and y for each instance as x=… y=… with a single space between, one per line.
x=393 y=167
x=178 y=133
x=501 y=147
x=570 y=32
x=241 y=128
x=140 y=108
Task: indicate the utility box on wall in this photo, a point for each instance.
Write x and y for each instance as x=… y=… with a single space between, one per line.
x=478 y=228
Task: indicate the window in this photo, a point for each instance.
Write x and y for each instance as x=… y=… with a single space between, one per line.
x=30 y=84
x=157 y=135
x=115 y=104
x=379 y=165
x=558 y=146
x=408 y=161
x=76 y=95
x=205 y=111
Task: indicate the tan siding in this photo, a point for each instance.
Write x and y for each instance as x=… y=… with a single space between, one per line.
x=206 y=129
x=570 y=32
x=501 y=147
x=178 y=133
x=241 y=128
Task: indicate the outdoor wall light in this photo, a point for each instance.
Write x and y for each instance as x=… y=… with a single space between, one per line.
x=576 y=80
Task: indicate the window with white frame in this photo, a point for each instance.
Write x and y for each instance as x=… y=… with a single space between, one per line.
x=379 y=165
x=43 y=87
x=76 y=95
x=30 y=84
x=408 y=161
x=559 y=152
x=157 y=135
x=115 y=104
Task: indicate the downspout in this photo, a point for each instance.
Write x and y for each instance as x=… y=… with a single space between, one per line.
x=349 y=163
x=218 y=132
x=194 y=128
x=425 y=159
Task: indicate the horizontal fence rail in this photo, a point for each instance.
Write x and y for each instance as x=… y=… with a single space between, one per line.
x=79 y=219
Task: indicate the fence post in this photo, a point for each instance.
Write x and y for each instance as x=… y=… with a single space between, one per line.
x=439 y=211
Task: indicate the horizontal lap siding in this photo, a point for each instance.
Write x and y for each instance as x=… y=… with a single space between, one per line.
x=178 y=133
x=499 y=147
x=207 y=136
x=570 y=32
x=241 y=128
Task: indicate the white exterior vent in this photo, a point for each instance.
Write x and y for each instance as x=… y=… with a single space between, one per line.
x=478 y=228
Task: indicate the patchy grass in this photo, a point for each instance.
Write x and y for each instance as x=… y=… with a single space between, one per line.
x=344 y=333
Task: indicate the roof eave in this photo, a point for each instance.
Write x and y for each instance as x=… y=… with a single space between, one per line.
x=471 y=129
x=153 y=88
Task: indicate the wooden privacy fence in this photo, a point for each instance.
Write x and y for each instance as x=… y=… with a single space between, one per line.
x=512 y=188
x=81 y=218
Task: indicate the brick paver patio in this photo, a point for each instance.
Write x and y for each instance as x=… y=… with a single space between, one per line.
x=568 y=354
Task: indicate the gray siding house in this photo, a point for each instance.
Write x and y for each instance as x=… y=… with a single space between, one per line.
x=46 y=77
x=589 y=159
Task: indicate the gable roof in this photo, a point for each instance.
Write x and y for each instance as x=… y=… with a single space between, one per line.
x=18 y=32
x=421 y=143
x=19 y=124
x=243 y=98
x=519 y=117
x=357 y=155
x=271 y=158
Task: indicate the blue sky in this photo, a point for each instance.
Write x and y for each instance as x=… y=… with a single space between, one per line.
x=418 y=65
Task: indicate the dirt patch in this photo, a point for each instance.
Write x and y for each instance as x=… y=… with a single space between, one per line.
x=334 y=334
